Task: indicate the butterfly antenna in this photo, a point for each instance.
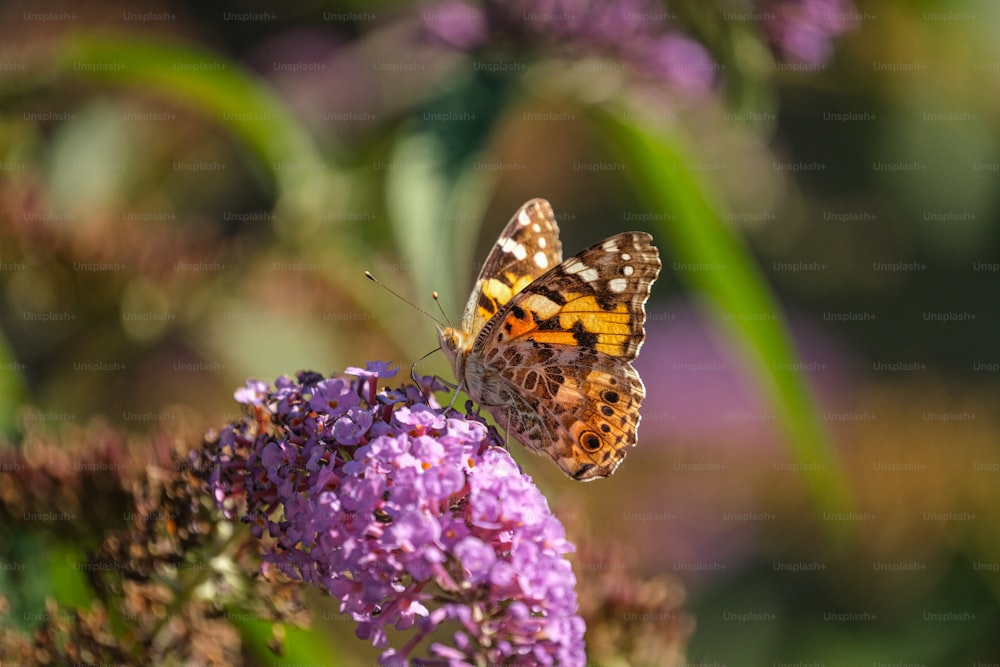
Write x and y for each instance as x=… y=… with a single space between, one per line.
x=441 y=308
x=413 y=367
x=404 y=299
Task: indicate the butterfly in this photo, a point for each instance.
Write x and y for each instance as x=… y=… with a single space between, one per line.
x=545 y=345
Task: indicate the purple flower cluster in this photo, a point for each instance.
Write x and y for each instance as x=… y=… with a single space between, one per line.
x=406 y=513
x=642 y=34
x=634 y=32
x=803 y=30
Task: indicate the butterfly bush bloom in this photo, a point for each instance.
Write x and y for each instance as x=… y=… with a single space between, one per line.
x=803 y=30
x=641 y=34
x=410 y=515
x=638 y=33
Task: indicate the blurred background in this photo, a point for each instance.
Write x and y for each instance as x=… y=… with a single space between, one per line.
x=190 y=193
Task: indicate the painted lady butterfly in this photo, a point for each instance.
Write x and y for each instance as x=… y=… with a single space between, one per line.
x=545 y=344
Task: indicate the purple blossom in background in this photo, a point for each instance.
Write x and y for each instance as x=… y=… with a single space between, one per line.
x=641 y=34
x=638 y=33
x=407 y=513
x=803 y=30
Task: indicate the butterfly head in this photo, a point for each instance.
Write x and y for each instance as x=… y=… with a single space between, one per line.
x=455 y=346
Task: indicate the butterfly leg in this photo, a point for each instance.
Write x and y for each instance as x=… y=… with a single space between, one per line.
x=416 y=378
x=428 y=389
x=454 y=394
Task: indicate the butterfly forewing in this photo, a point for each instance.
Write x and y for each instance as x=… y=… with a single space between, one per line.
x=528 y=247
x=594 y=300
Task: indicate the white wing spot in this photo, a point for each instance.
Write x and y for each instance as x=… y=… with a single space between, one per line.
x=536 y=228
x=610 y=245
x=512 y=247
x=617 y=285
x=627 y=270
x=523 y=219
x=626 y=257
x=587 y=273
x=541 y=261
x=541 y=242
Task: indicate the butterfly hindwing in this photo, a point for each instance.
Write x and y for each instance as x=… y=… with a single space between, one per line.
x=582 y=411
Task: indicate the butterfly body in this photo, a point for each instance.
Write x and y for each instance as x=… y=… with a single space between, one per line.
x=545 y=345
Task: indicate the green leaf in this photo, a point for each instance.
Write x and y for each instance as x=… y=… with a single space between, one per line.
x=738 y=296
x=435 y=194
x=300 y=646
x=223 y=90
x=12 y=390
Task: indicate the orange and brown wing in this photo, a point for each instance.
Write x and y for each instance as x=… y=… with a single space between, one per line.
x=527 y=247
x=562 y=347
x=592 y=301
